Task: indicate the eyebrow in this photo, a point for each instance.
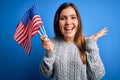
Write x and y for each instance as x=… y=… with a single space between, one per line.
x=70 y=15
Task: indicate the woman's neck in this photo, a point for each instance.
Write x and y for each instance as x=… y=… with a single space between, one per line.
x=69 y=40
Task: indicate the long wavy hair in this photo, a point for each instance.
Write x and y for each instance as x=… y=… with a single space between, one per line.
x=79 y=37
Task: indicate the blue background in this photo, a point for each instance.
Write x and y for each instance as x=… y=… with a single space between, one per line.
x=15 y=64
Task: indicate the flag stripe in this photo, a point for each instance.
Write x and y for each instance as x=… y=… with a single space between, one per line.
x=23 y=34
x=19 y=28
x=26 y=46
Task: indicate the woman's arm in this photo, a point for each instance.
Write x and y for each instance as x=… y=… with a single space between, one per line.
x=46 y=68
x=95 y=67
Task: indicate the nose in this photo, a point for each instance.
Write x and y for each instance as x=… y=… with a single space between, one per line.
x=68 y=21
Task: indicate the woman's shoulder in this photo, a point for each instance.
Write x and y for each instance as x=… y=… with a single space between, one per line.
x=88 y=40
x=55 y=40
x=91 y=44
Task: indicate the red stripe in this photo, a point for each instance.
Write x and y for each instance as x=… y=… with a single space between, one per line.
x=36 y=22
x=22 y=36
x=18 y=30
x=27 y=46
x=36 y=16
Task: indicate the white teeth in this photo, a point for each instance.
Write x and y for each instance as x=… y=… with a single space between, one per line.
x=69 y=28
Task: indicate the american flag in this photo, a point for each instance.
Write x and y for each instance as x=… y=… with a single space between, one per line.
x=27 y=28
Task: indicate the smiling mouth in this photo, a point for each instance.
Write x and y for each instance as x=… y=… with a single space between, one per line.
x=69 y=28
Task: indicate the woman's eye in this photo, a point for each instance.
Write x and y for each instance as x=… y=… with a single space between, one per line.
x=62 y=18
x=74 y=17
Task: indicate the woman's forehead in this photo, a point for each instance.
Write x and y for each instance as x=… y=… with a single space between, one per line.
x=68 y=11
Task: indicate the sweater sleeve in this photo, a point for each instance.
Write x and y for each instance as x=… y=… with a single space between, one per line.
x=95 y=67
x=46 y=67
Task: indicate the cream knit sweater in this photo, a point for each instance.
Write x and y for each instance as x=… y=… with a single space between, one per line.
x=65 y=63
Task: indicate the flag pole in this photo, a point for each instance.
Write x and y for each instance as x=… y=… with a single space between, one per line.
x=44 y=30
x=39 y=33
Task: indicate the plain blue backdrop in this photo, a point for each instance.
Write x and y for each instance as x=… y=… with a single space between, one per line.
x=15 y=64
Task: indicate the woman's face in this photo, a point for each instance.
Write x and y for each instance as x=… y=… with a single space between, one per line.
x=68 y=23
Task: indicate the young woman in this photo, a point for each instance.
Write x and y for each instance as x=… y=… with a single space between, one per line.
x=70 y=55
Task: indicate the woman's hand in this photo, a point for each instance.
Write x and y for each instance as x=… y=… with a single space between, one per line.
x=99 y=34
x=47 y=44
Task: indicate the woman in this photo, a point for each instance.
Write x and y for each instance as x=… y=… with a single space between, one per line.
x=70 y=55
